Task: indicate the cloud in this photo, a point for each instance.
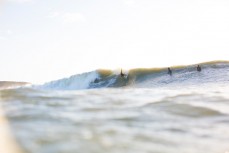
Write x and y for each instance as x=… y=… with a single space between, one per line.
x=9 y=32
x=73 y=17
x=130 y=2
x=2 y=38
x=54 y=14
x=4 y=34
x=19 y=1
x=69 y=17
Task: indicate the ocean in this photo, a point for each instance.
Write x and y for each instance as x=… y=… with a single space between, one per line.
x=147 y=111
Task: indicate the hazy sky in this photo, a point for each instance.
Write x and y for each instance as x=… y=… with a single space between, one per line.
x=43 y=40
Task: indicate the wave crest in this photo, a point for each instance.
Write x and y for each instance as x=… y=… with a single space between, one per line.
x=212 y=72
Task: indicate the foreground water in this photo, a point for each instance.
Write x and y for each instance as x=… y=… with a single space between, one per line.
x=184 y=113
x=142 y=120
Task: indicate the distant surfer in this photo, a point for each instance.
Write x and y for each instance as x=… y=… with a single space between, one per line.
x=96 y=80
x=169 y=71
x=122 y=74
x=198 y=68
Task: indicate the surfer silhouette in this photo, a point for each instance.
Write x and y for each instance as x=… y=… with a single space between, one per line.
x=169 y=71
x=122 y=74
x=96 y=80
x=198 y=68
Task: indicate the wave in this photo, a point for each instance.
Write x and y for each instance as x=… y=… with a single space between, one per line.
x=79 y=81
x=212 y=72
x=185 y=109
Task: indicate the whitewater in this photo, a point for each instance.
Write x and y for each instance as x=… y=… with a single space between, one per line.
x=147 y=111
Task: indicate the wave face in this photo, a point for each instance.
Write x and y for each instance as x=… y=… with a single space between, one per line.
x=212 y=72
x=75 y=82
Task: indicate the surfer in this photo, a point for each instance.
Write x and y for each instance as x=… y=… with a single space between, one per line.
x=122 y=74
x=96 y=80
x=169 y=71
x=198 y=68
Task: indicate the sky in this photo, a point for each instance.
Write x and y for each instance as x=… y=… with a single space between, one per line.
x=44 y=40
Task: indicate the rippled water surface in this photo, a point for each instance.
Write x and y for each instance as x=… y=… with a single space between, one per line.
x=193 y=119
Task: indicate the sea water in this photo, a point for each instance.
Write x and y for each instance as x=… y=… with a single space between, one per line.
x=149 y=112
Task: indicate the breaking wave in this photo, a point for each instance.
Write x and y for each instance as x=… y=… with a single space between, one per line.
x=212 y=72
